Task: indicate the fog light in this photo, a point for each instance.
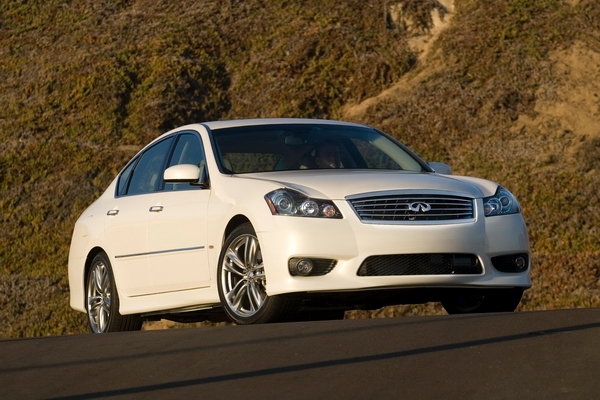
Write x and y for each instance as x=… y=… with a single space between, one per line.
x=520 y=263
x=511 y=263
x=304 y=267
x=300 y=266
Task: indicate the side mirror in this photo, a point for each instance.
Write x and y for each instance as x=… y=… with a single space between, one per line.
x=441 y=168
x=186 y=173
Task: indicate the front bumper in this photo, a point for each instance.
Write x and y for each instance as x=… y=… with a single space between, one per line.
x=350 y=242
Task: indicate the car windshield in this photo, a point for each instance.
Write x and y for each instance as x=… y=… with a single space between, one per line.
x=288 y=147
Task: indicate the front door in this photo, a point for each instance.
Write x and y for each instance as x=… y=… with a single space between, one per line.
x=177 y=241
x=177 y=226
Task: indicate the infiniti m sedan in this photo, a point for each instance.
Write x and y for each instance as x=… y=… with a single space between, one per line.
x=267 y=220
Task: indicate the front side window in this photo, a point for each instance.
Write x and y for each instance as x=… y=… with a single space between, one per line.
x=147 y=175
x=374 y=157
x=188 y=150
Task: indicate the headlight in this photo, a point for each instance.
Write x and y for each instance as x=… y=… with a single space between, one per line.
x=502 y=203
x=291 y=202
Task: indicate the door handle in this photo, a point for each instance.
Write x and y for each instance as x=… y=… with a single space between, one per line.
x=156 y=208
x=112 y=212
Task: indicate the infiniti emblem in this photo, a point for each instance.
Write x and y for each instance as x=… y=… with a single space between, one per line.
x=419 y=207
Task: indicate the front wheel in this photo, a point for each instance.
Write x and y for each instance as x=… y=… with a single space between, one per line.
x=242 y=282
x=468 y=304
x=102 y=300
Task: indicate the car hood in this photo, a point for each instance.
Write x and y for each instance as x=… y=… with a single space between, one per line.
x=338 y=184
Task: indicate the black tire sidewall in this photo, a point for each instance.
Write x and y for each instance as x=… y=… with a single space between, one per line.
x=505 y=302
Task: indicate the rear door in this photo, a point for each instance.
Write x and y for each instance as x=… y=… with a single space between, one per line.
x=126 y=223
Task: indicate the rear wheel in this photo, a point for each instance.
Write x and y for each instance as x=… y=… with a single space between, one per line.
x=242 y=282
x=102 y=300
x=468 y=304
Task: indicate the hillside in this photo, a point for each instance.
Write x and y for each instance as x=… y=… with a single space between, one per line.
x=507 y=90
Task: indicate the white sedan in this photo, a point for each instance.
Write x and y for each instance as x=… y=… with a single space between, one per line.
x=271 y=219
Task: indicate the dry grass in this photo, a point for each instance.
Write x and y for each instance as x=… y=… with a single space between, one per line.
x=84 y=84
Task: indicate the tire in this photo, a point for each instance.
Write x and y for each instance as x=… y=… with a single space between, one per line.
x=242 y=283
x=469 y=304
x=102 y=300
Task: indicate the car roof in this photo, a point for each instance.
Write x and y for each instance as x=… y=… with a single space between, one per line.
x=213 y=125
x=216 y=125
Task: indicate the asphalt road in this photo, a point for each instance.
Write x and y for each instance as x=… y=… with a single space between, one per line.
x=527 y=355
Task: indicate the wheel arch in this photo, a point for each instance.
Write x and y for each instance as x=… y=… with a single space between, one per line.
x=252 y=304
x=233 y=223
x=88 y=264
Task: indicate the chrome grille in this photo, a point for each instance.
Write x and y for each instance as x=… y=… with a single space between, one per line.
x=411 y=207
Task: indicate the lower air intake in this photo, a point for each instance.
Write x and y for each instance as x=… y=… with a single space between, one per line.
x=421 y=264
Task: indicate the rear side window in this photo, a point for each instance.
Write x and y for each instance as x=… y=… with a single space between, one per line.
x=123 y=183
x=147 y=175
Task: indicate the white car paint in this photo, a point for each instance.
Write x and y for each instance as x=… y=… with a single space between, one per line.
x=168 y=259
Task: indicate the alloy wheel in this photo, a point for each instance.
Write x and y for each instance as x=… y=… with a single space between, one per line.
x=243 y=281
x=99 y=293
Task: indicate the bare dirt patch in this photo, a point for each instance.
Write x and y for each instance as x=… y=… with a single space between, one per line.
x=572 y=102
x=421 y=35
